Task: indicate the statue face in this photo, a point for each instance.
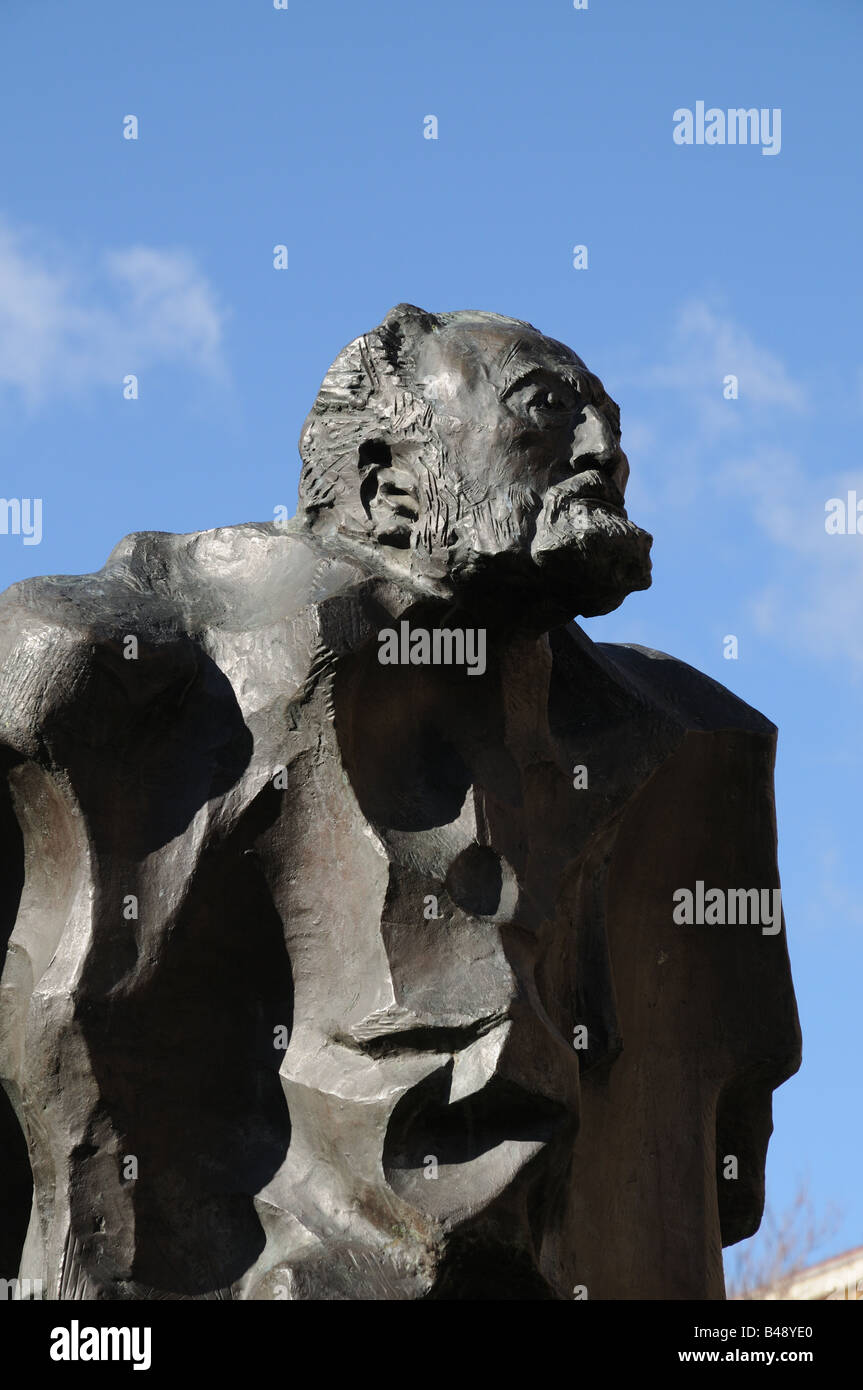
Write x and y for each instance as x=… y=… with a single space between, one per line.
x=517 y=408
x=532 y=446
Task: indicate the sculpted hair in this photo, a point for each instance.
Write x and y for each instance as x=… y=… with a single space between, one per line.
x=369 y=412
x=366 y=406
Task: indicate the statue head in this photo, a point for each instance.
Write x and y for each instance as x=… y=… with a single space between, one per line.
x=471 y=457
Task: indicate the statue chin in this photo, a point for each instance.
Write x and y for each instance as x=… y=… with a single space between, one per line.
x=564 y=572
x=591 y=568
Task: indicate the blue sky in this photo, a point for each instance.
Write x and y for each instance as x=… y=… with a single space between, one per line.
x=304 y=127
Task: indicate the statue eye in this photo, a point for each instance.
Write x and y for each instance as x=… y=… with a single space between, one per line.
x=549 y=399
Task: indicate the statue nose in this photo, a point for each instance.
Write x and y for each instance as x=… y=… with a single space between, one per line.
x=596 y=445
x=595 y=439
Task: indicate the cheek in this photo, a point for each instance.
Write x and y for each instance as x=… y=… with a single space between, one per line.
x=543 y=454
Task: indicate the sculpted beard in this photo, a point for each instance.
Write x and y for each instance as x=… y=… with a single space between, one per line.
x=579 y=551
x=588 y=550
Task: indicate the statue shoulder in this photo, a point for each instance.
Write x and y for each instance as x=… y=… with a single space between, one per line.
x=683 y=692
x=161 y=596
x=154 y=577
x=55 y=629
x=626 y=676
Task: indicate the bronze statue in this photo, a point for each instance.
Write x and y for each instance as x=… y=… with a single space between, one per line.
x=340 y=870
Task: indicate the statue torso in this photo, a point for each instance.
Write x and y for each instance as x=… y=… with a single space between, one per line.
x=392 y=904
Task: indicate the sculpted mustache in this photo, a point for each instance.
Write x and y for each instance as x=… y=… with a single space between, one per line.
x=588 y=486
x=519 y=515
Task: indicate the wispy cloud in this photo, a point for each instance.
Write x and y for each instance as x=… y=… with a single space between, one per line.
x=706 y=346
x=767 y=456
x=66 y=328
x=815 y=603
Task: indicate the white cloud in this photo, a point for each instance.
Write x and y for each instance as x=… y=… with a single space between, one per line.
x=63 y=329
x=769 y=455
x=816 y=603
x=706 y=347
x=691 y=423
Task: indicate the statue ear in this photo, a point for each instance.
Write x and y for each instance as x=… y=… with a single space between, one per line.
x=389 y=493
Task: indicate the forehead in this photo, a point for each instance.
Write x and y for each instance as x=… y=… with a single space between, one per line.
x=481 y=356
